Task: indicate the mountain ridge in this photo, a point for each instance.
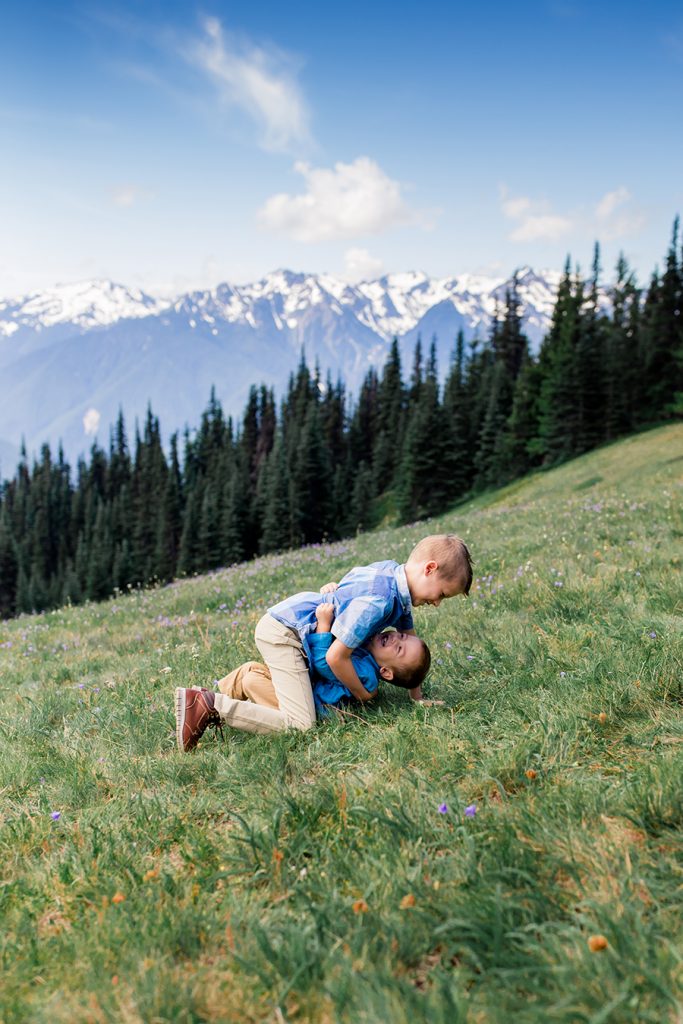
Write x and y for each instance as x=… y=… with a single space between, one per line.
x=72 y=355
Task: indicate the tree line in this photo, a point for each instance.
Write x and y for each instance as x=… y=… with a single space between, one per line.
x=323 y=465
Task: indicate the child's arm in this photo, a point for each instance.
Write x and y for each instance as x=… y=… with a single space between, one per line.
x=339 y=660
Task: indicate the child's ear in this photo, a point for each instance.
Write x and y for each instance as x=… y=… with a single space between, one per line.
x=386 y=673
x=431 y=567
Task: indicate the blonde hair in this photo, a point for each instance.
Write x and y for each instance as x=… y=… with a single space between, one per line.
x=451 y=553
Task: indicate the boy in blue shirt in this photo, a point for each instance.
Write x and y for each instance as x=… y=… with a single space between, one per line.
x=367 y=601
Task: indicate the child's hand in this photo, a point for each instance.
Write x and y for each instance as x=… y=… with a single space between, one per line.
x=329 y=588
x=324 y=614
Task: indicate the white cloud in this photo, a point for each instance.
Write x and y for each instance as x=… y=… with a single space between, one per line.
x=617 y=215
x=610 y=201
x=91 y=422
x=126 y=196
x=541 y=227
x=346 y=201
x=514 y=208
x=261 y=83
x=535 y=219
x=359 y=265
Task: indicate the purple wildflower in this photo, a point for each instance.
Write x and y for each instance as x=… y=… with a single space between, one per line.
x=56 y=815
x=443 y=808
x=470 y=810
x=470 y=657
x=653 y=635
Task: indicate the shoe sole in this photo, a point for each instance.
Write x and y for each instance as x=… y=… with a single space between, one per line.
x=180 y=718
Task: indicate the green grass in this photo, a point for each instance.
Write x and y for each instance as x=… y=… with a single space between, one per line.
x=311 y=877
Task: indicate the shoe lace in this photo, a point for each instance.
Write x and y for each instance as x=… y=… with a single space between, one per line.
x=214 y=722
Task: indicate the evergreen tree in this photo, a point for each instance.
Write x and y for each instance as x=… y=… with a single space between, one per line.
x=559 y=423
x=519 y=449
x=490 y=459
x=311 y=484
x=622 y=364
x=391 y=401
x=99 y=579
x=189 y=554
x=423 y=484
x=364 y=420
x=362 y=494
x=9 y=566
x=509 y=348
x=235 y=525
x=590 y=367
x=170 y=519
x=275 y=534
x=663 y=337
x=148 y=486
x=458 y=454
x=476 y=390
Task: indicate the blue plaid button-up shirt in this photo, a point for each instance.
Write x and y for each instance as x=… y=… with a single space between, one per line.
x=369 y=598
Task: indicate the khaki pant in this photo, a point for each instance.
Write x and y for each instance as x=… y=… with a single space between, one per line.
x=251 y=681
x=291 y=703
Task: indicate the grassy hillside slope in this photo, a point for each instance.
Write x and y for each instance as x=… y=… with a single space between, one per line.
x=334 y=876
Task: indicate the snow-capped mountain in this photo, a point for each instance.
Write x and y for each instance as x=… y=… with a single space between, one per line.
x=72 y=355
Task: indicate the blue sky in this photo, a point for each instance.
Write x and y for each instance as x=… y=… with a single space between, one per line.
x=169 y=146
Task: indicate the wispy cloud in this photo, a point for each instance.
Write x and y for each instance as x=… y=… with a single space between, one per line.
x=360 y=265
x=125 y=196
x=346 y=201
x=259 y=81
x=535 y=220
x=615 y=215
x=618 y=216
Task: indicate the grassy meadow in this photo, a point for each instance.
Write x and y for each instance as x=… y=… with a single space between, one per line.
x=334 y=876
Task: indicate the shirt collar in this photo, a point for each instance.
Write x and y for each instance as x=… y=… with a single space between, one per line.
x=365 y=655
x=404 y=592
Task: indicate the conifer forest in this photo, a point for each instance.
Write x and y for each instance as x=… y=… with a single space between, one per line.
x=322 y=464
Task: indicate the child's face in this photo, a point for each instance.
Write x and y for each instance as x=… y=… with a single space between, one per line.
x=392 y=651
x=430 y=587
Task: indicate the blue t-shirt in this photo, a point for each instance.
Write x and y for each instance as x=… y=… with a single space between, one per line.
x=369 y=599
x=327 y=689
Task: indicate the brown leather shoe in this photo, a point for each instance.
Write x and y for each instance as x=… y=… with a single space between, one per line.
x=194 y=711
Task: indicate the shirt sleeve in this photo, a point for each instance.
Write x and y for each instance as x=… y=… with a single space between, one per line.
x=318 y=645
x=360 y=619
x=367 y=673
